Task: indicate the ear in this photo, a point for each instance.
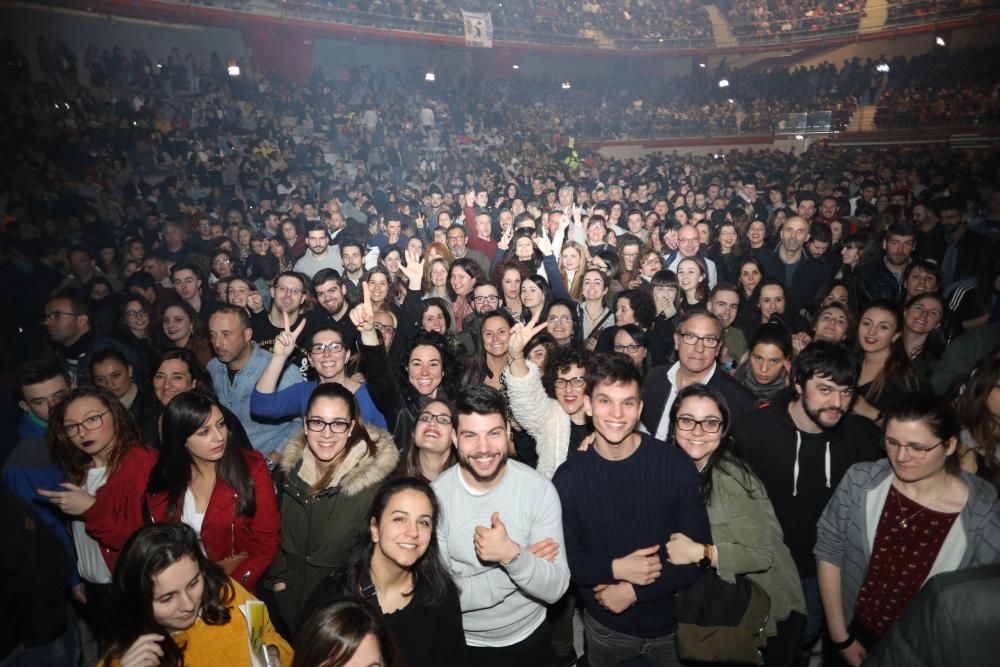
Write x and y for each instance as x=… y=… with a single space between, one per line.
x=951 y=446
x=588 y=408
x=23 y=405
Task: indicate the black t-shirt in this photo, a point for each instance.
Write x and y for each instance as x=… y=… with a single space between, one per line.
x=264 y=334
x=577 y=432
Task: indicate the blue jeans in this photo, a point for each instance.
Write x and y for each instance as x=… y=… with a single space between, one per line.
x=814 y=610
x=59 y=653
x=610 y=648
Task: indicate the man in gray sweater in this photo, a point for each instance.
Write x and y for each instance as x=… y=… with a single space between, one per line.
x=501 y=522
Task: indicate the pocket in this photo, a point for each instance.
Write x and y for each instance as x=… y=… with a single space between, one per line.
x=596 y=628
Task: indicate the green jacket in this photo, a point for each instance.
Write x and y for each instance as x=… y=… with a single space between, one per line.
x=319 y=530
x=749 y=540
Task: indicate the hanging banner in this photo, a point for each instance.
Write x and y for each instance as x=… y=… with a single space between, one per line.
x=478 y=29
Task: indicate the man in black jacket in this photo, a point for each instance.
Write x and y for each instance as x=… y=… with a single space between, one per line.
x=883 y=277
x=698 y=340
x=802 y=445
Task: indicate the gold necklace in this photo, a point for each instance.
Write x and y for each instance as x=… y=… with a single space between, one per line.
x=592 y=318
x=899 y=503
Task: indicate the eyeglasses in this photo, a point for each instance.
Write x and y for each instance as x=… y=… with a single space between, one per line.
x=317 y=425
x=560 y=318
x=136 y=314
x=428 y=417
x=649 y=261
x=480 y=300
x=916 y=451
x=294 y=291
x=692 y=339
x=91 y=423
x=221 y=262
x=54 y=315
x=577 y=382
x=320 y=348
x=385 y=328
x=631 y=349
x=708 y=425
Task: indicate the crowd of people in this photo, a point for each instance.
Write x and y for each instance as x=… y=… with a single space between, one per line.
x=462 y=386
x=799 y=19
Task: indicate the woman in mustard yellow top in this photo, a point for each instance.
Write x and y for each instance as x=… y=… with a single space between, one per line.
x=174 y=607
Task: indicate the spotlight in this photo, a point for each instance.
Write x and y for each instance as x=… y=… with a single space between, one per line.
x=234 y=70
x=515 y=67
x=723 y=83
x=566 y=85
x=730 y=100
x=702 y=65
x=882 y=67
x=799 y=137
x=430 y=77
x=939 y=41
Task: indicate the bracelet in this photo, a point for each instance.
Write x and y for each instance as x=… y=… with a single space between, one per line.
x=840 y=646
x=513 y=358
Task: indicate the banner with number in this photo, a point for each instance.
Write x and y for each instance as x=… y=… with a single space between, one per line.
x=478 y=29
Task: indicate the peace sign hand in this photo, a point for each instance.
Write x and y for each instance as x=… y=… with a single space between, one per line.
x=521 y=333
x=284 y=342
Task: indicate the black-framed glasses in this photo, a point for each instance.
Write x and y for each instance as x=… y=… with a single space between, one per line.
x=136 y=314
x=54 y=315
x=221 y=262
x=708 y=425
x=577 y=382
x=428 y=417
x=631 y=349
x=917 y=451
x=91 y=423
x=385 y=328
x=693 y=338
x=480 y=300
x=317 y=425
x=320 y=348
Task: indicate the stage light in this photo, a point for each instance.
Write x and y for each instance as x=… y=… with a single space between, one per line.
x=939 y=41
x=566 y=85
x=882 y=67
x=799 y=137
x=723 y=83
x=702 y=65
x=234 y=70
x=430 y=77
x=515 y=67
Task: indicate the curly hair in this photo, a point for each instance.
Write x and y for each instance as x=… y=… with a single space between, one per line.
x=451 y=371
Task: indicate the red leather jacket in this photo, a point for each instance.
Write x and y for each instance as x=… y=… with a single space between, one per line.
x=225 y=534
x=118 y=510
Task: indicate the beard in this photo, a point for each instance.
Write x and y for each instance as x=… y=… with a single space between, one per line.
x=816 y=415
x=464 y=462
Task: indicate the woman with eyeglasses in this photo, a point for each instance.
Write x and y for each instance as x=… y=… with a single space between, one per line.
x=327 y=354
x=894 y=523
x=432 y=452
x=98 y=449
x=408 y=586
x=205 y=479
x=326 y=480
x=135 y=330
x=748 y=539
x=563 y=325
x=630 y=340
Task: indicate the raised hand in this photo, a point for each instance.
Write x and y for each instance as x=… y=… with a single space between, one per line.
x=493 y=545
x=413 y=269
x=521 y=333
x=284 y=342
x=641 y=567
x=363 y=314
x=420 y=221
x=544 y=244
x=74 y=500
x=505 y=238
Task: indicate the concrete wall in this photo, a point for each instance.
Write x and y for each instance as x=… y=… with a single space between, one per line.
x=638 y=150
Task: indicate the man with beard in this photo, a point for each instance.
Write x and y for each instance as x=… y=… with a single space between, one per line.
x=493 y=509
x=329 y=291
x=801 y=446
x=883 y=278
x=288 y=293
x=957 y=249
x=622 y=500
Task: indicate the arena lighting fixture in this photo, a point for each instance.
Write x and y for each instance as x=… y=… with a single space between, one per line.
x=939 y=41
x=882 y=67
x=730 y=100
x=515 y=67
x=799 y=137
x=430 y=77
x=234 y=70
x=702 y=65
x=723 y=83
x=566 y=85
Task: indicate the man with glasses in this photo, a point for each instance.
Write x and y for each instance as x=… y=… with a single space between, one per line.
x=67 y=321
x=238 y=364
x=620 y=567
x=458 y=244
x=485 y=298
x=698 y=340
x=689 y=245
x=320 y=256
x=801 y=446
x=288 y=293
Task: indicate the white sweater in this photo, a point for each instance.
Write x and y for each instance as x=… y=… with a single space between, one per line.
x=541 y=416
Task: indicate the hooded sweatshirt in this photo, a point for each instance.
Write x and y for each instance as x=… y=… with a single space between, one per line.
x=801 y=470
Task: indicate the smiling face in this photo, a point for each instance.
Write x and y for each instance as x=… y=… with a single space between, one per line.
x=326 y=446
x=877 y=330
x=920 y=281
x=794 y=233
x=560 y=321
x=531 y=295
x=482 y=442
x=495 y=336
x=405 y=529
x=570 y=258
x=698 y=444
x=570 y=397
x=208 y=443
x=177 y=594
x=329 y=363
x=924 y=315
x=430 y=434
x=461 y=281
x=433 y=319
x=771 y=301
x=614 y=409
x=628 y=346
x=177 y=326
x=831 y=326
x=594 y=286
x=424 y=369
x=171 y=378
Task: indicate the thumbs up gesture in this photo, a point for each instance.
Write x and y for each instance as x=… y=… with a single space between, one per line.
x=493 y=545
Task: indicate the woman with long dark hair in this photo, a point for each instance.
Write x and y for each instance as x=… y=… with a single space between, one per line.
x=172 y=606
x=328 y=475
x=205 y=479
x=408 y=585
x=96 y=445
x=979 y=410
x=886 y=369
x=431 y=452
x=748 y=538
x=344 y=634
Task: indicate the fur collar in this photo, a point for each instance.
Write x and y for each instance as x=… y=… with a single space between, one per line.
x=357 y=472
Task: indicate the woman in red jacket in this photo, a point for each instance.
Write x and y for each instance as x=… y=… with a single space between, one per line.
x=224 y=492
x=94 y=441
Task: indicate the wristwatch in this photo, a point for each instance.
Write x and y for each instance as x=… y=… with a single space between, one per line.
x=706 y=559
